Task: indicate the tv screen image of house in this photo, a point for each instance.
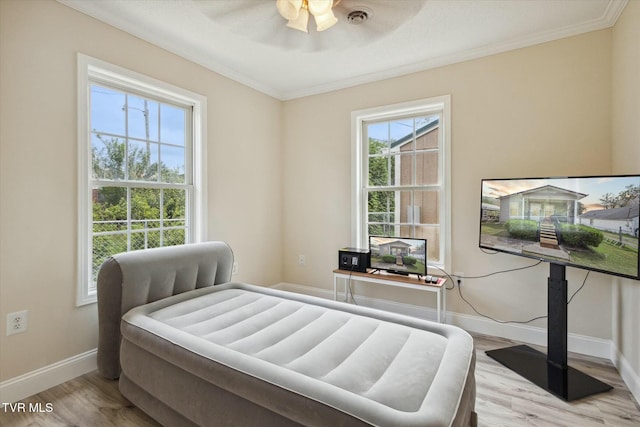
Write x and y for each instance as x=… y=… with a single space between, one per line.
x=398 y=254
x=584 y=222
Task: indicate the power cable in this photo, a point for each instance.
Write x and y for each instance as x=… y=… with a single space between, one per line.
x=459 y=282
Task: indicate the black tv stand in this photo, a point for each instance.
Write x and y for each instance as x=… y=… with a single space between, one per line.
x=551 y=371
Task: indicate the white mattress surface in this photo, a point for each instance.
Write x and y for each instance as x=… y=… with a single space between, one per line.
x=389 y=363
x=383 y=368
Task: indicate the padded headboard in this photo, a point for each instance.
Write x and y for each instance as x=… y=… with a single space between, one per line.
x=136 y=278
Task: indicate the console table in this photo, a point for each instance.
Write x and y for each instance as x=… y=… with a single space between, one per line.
x=394 y=280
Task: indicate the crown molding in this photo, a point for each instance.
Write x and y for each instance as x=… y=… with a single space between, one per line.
x=608 y=19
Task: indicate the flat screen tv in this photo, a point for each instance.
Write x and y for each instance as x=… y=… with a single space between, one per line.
x=398 y=255
x=584 y=222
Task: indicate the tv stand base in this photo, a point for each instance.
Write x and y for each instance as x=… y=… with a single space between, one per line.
x=566 y=383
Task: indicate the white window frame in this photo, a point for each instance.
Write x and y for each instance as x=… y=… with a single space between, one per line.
x=359 y=167
x=91 y=70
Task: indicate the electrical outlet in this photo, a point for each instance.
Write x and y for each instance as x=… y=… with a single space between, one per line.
x=301 y=260
x=234 y=269
x=459 y=275
x=17 y=322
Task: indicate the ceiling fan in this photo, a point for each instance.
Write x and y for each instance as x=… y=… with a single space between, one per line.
x=297 y=13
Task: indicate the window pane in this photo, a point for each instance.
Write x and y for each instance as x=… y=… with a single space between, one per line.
x=404 y=175
x=153 y=239
x=426 y=133
x=142 y=161
x=172 y=166
x=381 y=229
x=109 y=223
x=427 y=168
x=378 y=138
x=381 y=169
x=145 y=208
x=172 y=124
x=109 y=208
x=107 y=110
x=145 y=239
x=173 y=207
x=142 y=118
x=138 y=240
x=154 y=121
x=432 y=234
x=407 y=209
x=107 y=153
x=105 y=246
x=378 y=148
x=401 y=131
x=381 y=206
x=427 y=205
x=174 y=237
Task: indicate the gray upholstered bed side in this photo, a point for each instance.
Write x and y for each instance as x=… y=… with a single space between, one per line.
x=135 y=278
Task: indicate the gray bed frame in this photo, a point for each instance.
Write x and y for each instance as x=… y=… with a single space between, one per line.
x=178 y=387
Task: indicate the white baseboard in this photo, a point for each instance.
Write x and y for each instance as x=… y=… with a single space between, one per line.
x=576 y=343
x=34 y=382
x=629 y=376
x=581 y=344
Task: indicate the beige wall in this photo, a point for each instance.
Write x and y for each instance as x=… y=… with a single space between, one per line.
x=626 y=159
x=39 y=41
x=539 y=111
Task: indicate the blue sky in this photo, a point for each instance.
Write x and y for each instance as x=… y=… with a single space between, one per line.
x=396 y=129
x=166 y=123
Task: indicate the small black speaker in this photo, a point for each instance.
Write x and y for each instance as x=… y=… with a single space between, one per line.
x=354 y=259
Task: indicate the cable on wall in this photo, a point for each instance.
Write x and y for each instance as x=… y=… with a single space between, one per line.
x=459 y=282
x=349 y=289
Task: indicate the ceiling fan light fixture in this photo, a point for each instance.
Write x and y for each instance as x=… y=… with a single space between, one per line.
x=296 y=12
x=301 y=22
x=319 y=7
x=289 y=9
x=325 y=21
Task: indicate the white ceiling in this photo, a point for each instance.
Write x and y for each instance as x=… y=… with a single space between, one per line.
x=247 y=40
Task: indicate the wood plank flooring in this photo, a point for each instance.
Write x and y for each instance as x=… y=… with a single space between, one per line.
x=503 y=399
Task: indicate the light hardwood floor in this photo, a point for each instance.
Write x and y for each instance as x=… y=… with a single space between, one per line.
x=503 y=399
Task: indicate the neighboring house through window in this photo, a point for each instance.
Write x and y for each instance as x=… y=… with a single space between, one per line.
x=401 y=174
x=141 y=178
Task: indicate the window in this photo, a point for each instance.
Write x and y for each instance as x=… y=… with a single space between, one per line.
x=141 y=166
x=400 y=160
